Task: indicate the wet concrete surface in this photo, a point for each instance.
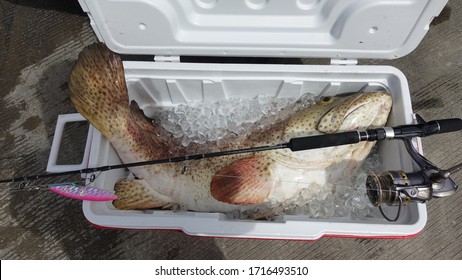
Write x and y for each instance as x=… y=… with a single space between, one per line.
x=40 y=40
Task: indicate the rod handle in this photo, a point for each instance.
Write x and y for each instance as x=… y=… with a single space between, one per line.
x=449 y=125
x=323 y=141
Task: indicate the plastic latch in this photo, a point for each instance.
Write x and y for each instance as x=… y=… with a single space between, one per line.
x=343 y=61
x=167 y=58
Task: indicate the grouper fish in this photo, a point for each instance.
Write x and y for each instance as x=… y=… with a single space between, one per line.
x=99 y=92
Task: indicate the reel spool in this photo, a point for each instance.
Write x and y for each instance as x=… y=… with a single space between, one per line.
x=397 y=188
x=388 y=187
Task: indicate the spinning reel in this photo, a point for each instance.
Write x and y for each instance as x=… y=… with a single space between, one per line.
x=398 y=188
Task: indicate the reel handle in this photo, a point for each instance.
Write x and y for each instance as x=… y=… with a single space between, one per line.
x=453 y=169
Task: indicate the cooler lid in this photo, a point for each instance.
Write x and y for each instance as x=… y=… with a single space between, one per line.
x=384 y=29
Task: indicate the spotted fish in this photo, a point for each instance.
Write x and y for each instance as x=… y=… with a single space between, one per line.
x=98 y=91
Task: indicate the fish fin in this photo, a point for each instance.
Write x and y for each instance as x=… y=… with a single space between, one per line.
x=140 y=119
x=136 y=194
x=154 y=138
x=245 y=181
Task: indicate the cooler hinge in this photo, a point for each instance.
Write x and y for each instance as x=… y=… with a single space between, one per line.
x=167 y=58
x=343 y=61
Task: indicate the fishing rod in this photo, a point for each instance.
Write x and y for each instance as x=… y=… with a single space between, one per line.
x=294 y=144
x=376 y=192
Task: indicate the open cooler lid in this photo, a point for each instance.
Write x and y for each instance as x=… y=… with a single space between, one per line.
x=383 y=29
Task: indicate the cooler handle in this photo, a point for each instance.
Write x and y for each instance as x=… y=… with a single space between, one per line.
x=52 y=165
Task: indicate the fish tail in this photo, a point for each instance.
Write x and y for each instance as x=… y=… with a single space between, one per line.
x=98 y=90
x=99 y=93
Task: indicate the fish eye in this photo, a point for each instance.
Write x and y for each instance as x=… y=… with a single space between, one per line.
x=327 y=99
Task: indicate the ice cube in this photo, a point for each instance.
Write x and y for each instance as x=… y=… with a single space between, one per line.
x=358 y=201
x=315 y=207
x=184 y=123
x=223 y=122
x=201 y=139
x=170 y=127
x=339 y=207
x=180 y=109
x=224 y=109
x=361 y=213
x=172 y=116
x=177 y=133
x=263 y=99
x=206 y=112
x=235 y=128
x=185 y=141
x=361 y=179
x=214 y=121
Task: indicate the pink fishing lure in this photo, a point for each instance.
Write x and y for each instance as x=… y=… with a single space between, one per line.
x=75 y=191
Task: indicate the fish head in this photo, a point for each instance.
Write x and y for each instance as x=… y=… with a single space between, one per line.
x=332 y=114
x=340 y=113
x=357 y=111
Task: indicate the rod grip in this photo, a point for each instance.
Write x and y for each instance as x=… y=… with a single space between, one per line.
x=449 y=125
x=323 y=141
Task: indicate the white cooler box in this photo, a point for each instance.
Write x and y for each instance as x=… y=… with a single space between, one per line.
x=341 y=30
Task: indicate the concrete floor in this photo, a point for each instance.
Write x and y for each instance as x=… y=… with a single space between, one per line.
x=40 y=40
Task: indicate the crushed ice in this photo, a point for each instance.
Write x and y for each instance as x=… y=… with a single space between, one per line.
x=201 y=122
